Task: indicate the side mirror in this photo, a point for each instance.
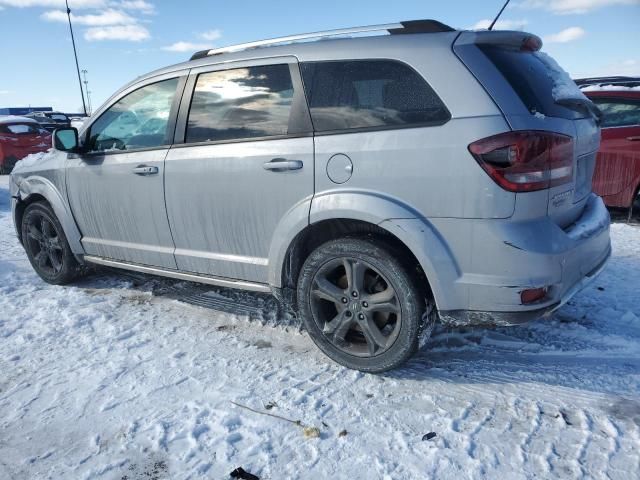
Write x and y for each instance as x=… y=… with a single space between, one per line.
x=65 y=139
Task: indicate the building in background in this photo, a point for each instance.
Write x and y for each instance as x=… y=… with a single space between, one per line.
x=23 y=110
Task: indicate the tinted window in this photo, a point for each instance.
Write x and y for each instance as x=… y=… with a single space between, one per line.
x=138 y=120
x=59 y=117
x=241 y=103
x=618 y=112
x=345 y=95
x=531 y=79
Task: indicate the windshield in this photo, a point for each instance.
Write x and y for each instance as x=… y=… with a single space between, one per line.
x=59 y=117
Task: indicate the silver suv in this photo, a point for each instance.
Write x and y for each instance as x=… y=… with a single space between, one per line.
x=373 y=183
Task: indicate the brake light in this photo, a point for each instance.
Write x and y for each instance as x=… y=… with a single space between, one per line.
x=531 y=44
x=526 y=161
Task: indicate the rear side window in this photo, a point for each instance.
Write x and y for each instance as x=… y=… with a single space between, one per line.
x=345 y=95
x=531 y=79
x=618 y=112
x=241 y=103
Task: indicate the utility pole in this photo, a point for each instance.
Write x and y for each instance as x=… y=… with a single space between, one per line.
x=75 y=53
x=86 y=89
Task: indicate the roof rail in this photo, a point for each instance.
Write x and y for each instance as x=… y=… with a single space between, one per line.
x=583 y=82
x=411 y=26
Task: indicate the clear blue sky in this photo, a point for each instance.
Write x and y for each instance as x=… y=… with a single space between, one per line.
x=118 y=40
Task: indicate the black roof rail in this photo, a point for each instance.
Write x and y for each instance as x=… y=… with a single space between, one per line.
x=605 y=80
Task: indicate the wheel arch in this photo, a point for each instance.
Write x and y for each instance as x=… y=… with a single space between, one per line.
x=354 y=213
x=34 y=189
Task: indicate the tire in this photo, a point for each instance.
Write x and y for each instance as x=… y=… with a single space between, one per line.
x=46 y=245
x=373 y=327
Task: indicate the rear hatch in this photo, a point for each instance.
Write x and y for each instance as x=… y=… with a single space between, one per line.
x=536 y=94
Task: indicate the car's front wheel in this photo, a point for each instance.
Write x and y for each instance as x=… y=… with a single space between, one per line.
x=360 y=305
x=46 y=245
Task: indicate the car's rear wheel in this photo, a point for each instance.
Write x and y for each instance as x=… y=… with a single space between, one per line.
x=46 y=245
x=360 y=305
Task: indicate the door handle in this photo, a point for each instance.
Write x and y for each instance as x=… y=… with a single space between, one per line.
x=282 y=164
x=634 y=138
x=145 y=170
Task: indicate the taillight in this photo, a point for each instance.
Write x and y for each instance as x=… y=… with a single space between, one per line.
x=526 y=161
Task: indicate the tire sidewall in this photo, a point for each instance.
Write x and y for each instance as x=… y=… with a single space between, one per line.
x=69 y=268
x=408 y=297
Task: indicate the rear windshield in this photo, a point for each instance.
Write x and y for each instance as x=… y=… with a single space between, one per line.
x=21 y=129
x=531 y=79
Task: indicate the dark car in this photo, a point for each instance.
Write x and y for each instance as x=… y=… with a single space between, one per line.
x=50 y=120
x=617 y=175
x=19 y=137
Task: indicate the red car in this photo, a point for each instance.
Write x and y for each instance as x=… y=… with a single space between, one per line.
x=20 y=136
x=617 y=175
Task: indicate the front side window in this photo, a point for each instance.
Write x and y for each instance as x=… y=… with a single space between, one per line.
x=138 y=120
x=345 y=95
x=618 y=112
x=241 y=103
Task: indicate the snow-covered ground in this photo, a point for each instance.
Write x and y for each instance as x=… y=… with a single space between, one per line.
x=114 y=378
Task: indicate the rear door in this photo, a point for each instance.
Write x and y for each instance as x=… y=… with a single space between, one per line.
x=618 y=165
x=242 y=159
x=116 y=189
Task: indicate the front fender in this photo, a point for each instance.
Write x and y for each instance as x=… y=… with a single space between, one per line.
x=38 y=185
x=417 y=233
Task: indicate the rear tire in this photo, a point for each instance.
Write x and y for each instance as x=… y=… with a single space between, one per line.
x=46 y=245
x=360 y=305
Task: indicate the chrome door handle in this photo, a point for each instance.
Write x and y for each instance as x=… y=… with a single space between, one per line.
x=634 y=138
x=282 y=164
x=145 y=170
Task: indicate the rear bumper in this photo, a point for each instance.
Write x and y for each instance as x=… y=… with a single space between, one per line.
x=507 y=257
x=470 y=317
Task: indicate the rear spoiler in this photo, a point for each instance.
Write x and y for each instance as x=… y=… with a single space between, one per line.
x=503 y=38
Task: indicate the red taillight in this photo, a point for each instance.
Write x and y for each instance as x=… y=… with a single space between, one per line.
x=526 y=161
x=533 y=295
x=531 y=44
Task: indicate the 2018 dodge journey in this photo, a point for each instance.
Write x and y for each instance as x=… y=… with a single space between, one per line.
x=375 y=183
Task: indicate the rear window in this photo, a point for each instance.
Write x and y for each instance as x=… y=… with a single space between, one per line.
x=20 y=129
x=345 y=95
x=531 y=79
x=618 y=112
x=241 y=103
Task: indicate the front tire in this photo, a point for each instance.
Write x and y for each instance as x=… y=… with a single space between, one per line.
x=46 y=245
x=360 y=305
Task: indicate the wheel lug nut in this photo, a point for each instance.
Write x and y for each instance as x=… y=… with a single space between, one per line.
x=365 y=304
x=361 y=316
x=348 y=313
x=344 y=300
x=354 y=294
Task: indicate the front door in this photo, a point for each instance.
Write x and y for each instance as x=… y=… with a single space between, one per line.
x=245 y=160
x=116 y=189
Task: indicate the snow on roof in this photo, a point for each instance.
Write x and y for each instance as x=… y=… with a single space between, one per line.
x=609 y=87
x=4 y=119
x=564 y=88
